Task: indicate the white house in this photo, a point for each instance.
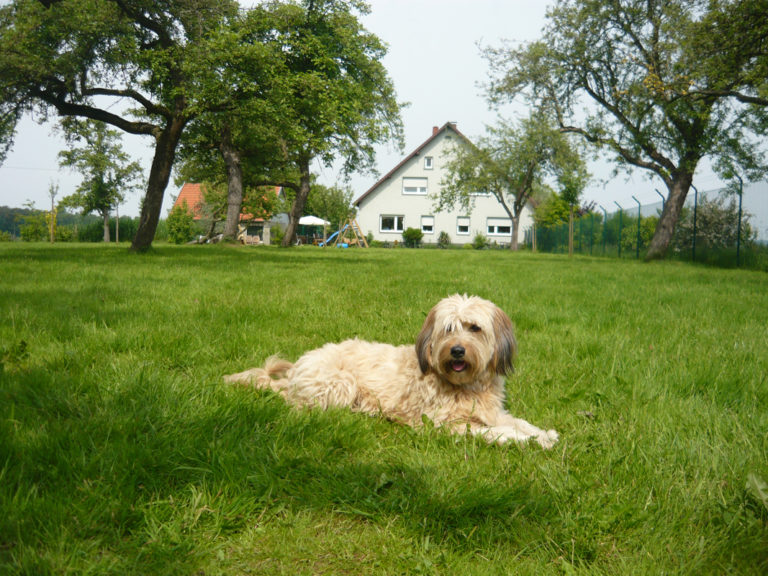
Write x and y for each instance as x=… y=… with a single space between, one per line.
x=405 y=198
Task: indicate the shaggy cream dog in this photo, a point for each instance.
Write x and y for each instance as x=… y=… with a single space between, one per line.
x=454 y=375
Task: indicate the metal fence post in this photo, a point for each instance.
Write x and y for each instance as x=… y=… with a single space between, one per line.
x=663 y=200
x=620 y=218
x=637 y=254
x=605 y=226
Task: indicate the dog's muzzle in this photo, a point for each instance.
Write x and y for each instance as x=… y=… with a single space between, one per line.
x=457 y=359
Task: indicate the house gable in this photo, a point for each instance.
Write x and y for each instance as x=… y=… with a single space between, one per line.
x=405 y=197
x=191 y=196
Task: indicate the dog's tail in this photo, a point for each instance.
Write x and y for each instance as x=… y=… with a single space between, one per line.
x=275 y=370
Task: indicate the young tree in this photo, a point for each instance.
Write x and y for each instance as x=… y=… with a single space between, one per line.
x=648 y=97
x=512 y=163
x=81 y=57
x=107 y=170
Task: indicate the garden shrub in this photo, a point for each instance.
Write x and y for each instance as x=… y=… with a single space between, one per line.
x=412 y=237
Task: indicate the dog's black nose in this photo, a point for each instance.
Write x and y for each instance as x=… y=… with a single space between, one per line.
x=458 y=351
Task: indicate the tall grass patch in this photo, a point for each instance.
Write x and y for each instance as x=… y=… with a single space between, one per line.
x=123 y=452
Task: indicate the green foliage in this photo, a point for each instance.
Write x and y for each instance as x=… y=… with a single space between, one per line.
x=480 y=242
x=554 y=210
x=276 y=234
x=181 y=224
x=94 y=232
x=81 y=58
x=317 y=91
x=412 y=237
x=662 y=91
x=331 y=203
x=34 y=227
x=123 y=452
x=108 y=174
x=717 y=226
x=444 y=240
x=513 y=162
x=629 y=233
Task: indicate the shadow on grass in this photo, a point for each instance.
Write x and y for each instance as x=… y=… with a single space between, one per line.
x=95 y=461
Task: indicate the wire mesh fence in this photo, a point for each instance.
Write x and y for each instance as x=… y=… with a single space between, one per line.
x=714 y=228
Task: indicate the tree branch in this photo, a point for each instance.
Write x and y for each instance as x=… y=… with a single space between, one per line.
x=83 y=110
x=148 y=105
x=144 y=21
x=625 y=153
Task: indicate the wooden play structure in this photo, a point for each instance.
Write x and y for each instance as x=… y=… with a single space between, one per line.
x=348 y=235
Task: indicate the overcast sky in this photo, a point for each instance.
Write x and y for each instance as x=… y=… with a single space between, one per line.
x=436 y=66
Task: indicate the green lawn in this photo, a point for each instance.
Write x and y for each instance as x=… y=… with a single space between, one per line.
x=122 y=452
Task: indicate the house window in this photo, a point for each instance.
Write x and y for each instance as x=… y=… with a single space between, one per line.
x=428 y=163
x=428 y=224
x=391 y=223
x=462 y=225
x=499 y=227
x=414 y=185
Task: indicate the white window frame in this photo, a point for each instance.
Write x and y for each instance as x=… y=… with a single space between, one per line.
x=414 y=186
x=462 y=221
x=428 y=224
x=397 y=219
x=493 y=226
x=429 y=163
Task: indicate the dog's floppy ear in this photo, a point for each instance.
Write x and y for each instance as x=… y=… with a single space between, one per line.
x=423 y=342
x=506 y=345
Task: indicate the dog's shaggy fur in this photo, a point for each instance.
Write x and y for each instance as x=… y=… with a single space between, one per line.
x=454 y=375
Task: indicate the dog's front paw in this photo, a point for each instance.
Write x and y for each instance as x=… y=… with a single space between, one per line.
x=548 y=439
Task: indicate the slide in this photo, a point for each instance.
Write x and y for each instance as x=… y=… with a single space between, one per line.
x=332 y=236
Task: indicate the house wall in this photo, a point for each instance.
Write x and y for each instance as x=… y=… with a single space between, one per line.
x=416 y=209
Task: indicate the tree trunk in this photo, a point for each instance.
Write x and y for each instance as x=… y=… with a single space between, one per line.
x=298 y=204
x=673 y=207
x=159 y=174
x=514 y=216
x=234 y=184
x=105 y=217
x=513 y=245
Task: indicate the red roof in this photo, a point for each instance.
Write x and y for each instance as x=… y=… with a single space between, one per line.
x=191 y=193
x=435 y=133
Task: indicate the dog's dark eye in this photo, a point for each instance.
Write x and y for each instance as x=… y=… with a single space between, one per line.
x=448 y=329
x=474 y=328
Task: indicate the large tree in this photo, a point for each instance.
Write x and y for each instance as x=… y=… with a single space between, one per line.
x=626 y=75
x=108 y=172
x=340 y=99
x=325 y=96
x=238 y=143
x=135 y=64
x=512 y=163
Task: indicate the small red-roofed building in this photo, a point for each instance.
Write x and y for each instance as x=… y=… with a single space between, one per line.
x=192 y=195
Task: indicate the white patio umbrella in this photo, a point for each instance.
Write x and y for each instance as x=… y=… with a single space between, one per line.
x=312 y=221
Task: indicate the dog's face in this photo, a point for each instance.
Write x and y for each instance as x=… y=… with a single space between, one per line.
x=466 y=339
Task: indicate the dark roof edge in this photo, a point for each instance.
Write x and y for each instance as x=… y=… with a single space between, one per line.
x=416 y=152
